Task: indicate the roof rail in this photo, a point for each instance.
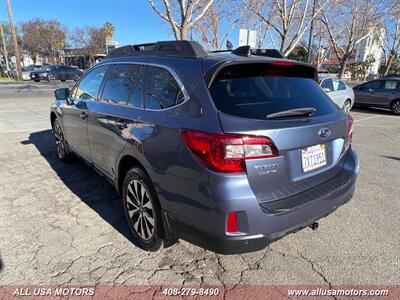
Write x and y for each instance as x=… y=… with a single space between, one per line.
x=247 y=51
x=186 y=49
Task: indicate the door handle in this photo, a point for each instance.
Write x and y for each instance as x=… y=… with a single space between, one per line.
x=83 y=115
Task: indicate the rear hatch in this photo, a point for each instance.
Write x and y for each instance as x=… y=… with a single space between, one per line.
x=282 y=101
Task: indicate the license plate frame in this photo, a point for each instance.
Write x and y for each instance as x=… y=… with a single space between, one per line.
x=313 y=157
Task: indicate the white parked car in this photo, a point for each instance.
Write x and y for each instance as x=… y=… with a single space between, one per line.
x=26 y=71
x=339 y=92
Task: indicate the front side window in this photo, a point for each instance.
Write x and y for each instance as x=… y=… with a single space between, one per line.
x=88 y=88
x=327 y=85
x=119 y=83
x=342 y=86
x=162 y=90
x=373 y=85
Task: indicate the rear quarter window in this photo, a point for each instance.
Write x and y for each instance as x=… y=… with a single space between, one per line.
x=255 y=91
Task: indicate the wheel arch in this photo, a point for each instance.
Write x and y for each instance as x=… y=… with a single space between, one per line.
x=53 y=117
x=393 y=101
x=125 y=163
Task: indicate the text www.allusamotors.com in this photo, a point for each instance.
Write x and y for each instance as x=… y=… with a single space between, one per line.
x=338 y=292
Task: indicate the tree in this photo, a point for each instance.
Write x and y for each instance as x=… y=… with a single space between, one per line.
x=209 y=27
x=89 y=41
x=391 y=42
x=182 y=15
x=44 y=38
x=288 y=19
x=348 y=23
x=109 y=29
x=321 y=44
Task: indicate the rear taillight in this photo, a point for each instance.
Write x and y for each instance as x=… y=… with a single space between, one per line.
x=227 y=152
x=350 y=128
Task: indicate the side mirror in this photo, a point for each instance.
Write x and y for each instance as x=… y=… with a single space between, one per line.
x=327 y=90
x=62 y=94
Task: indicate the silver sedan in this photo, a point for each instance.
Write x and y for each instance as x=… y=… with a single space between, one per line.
x=339 y=92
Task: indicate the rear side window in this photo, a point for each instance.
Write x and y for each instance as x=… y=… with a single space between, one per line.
x=119 y=83
x=162 y=90
x=342 y=86
x=390 y=85
x=255 y=91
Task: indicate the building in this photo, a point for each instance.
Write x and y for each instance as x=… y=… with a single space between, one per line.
x=368 y=50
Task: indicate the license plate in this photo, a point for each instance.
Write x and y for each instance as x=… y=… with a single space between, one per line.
x=313 y=157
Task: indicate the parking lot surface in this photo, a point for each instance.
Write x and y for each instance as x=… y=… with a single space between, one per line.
x=63 y=223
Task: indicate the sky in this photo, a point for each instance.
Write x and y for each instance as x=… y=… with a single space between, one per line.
x=134 y=20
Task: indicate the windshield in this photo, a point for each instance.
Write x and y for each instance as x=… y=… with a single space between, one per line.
x=255 y=91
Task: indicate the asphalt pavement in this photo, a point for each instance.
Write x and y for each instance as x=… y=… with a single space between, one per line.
x=63 y=223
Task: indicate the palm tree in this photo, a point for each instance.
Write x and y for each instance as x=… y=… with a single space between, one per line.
x=109 y=29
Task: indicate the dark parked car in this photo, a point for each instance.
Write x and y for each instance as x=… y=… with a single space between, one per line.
x=229 y=151
x=56 y=72
x=383 y=92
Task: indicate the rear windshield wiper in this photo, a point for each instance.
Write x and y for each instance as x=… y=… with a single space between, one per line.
x=306 y=111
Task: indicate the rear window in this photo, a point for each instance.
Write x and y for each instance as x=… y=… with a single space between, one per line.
x=255 y=91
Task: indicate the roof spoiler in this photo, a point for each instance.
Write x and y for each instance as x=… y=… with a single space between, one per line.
x=185 y=49
x=248 y=51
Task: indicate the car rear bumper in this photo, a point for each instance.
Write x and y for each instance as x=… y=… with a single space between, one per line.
x=266 y=226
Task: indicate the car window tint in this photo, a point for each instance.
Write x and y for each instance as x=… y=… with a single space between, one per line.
x=373 y=85
x=119 y=83
x=390 y=85
x=136 y=94
x=255 y=91
x=342 y=86
x=88 y=88
x=327 y=84
x=162 y=90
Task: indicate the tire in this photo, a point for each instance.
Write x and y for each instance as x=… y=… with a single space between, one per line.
x=346 y=106
x=51 y=77
x=62 y=80
x=395 y=107
x=76 y=78
x=36 y=80
x=63 y=152
x=142 y=209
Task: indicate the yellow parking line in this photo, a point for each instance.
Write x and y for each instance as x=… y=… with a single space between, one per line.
x=369 y=118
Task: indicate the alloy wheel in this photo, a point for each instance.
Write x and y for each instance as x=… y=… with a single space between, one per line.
x=396 y=108
x=346 y=106
x=60 y=142
x=140 y=209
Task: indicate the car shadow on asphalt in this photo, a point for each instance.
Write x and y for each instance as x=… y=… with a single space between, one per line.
x=372 y=111
x=94 y=190
x=391 y=157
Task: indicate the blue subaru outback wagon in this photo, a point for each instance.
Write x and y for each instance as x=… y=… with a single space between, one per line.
x=229 y=151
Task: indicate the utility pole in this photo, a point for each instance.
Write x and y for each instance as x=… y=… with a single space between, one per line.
x=15 y=42
x=4 y=48
x=309 y=56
